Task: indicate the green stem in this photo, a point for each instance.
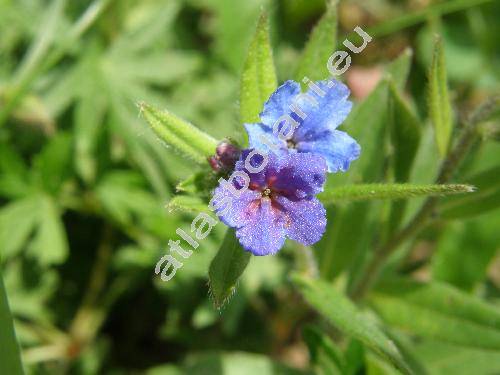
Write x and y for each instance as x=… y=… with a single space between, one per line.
x=372 y=270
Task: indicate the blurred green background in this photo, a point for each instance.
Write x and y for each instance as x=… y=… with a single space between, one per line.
x=84 y=184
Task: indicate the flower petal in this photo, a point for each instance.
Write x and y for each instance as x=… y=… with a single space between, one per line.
x=298 y=175
x=330 y=111
x=235 y=211
x=337 y=147
x=279 y=103
x=257 y=131
x=265 y=233
x=306 y=220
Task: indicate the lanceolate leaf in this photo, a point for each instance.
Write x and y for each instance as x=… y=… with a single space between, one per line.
x=10 y=359
x=399 y=69
x=405 y=134
x=187 y=203
x=439 y=102
x=486 y=199
x=323 y=352
x=342 y=313
x=226 y=268
x=439 y=311
x=258 y=80
x=181 y=135
x=389 y=191
x=320 y=46
x=405 y=139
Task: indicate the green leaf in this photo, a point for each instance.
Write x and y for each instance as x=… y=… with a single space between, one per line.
x=181 y=135
x=258 y=80
x=444 y=358
x=49 y=245
x=187 y=203
x=438 y=311
x=320 y=46
x=363 y=192
x=18 y=219
x=486 y=199
x=323 y=352
x=341 y=312
x=88 y=117
x=405 y=134
x=405 y=138
x=439 y=102
x=464 y=250
x=10 y=357
x=399 y=69
x=226 y=268
x=200 y=183
x=340 y=246
x=53 y=163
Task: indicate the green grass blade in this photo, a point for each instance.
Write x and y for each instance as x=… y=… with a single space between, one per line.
x=363 y=192
x=10 y=358
x=258 y=80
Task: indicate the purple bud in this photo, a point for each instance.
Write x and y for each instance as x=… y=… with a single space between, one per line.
x=214 y=163
x=226 y=156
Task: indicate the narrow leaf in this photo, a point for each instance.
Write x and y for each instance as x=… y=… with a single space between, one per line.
x=405 y=134
x=405 y=138
x=323 y=352
x=50 y=244
x=399 y=69
x=320 y=46
x=486 y=199
x=184 y=137
x=342 y=313
x=439 y=102
x=187 y=203
x=389 y=191
x=258 y=80
x=438 y=311
x=226 y=268
x=200 y=183
x=10 y=358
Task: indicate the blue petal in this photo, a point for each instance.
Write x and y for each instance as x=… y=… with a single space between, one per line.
x=330 y=111
x=240 y=210
x=337 y=147
x=306 y=220
x=299 y=175
x=265 y=234
x=279 y=103
x=257 y=131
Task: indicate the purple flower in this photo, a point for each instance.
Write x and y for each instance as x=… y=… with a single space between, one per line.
x=274 y=203
x=307 y=122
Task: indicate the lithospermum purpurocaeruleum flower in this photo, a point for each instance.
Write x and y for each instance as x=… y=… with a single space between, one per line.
x=279 y=201
x=317 y=115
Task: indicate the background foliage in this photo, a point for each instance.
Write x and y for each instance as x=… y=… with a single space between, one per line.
x=407 y=284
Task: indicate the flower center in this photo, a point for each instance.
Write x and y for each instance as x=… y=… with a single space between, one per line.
x=266 y=192
x=290 y=143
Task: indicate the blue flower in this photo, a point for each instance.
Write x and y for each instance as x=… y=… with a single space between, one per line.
x=315 y=115
x=274 y=203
